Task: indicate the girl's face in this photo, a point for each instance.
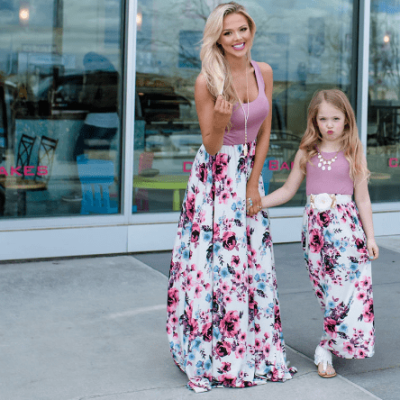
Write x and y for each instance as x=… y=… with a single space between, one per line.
x=331 y=123
x=236 y=38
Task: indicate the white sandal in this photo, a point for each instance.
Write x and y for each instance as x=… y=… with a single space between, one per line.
x=324 y=357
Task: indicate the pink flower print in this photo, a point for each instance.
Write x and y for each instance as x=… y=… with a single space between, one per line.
x=216 y=230
x=368 y=313
x=224 y=197
x=173 y=298
x=229 y=240
x=257 y=343
x=188 y=282
x=207 y=332
x=330 y=327
x=190 y=205
x=316 y=241
x=229 y=182
x=242 y=337
x=197 y=291
x=202 y=172
x=238 y=276
x=361 y=353
x=365 y=283
x=250 y=279
x=347 y=346
x=220 y=167
x=361 y=296
x=199 y=275
x=235 y=261
x=266 y=350
x=240 y=351
x=229 y=325
x=228 y=299
x=257 y=328
x=323 y=219
x=225 y=287
x=195 y=233
x=223 y=349
x=173 y=320
x=360 y=245
x=225 y=366
x=227 y=380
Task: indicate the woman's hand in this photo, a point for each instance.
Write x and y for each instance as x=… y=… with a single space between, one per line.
x=373 y=249
x=253 y=200
x=222 y=113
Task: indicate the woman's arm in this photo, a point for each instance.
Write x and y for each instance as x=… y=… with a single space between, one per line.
x=213 y=115
x=362 y=199
x=262 y=143
x=289 y=189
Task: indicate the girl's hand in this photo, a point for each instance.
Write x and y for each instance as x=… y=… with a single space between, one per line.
x=222 y=113
x=253 y=200
x=373 y=249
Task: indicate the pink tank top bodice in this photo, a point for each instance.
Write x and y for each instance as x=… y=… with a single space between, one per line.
x=258 y=111
x=335 y=181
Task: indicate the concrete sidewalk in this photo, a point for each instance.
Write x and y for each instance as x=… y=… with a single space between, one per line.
x=94 y=328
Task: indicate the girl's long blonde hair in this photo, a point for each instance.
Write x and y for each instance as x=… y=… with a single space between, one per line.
x=350 y=144
x=215 y=68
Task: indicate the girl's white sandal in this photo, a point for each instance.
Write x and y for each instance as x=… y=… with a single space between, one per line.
x=323 y=357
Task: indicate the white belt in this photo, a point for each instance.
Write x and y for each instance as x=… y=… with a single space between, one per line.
x=324 y=201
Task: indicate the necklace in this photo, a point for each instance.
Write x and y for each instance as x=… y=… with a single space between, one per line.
x=246 y=117
x=322 y=163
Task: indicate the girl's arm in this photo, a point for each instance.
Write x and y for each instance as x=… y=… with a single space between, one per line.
x=289 y=189
x=214 y=116
x=362 y=199
x=262 y=144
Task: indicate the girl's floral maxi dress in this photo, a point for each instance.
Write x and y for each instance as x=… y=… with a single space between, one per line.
x=224 y=325
x=336 y=255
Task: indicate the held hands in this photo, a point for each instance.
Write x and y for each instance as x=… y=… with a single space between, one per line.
x=373 y=249
x=222 y=112
x=253 y=200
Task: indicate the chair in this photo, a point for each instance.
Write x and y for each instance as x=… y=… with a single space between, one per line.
x=96 y=177
x=46 y=151
x=142 y=195
x=25 y=148
x=10 y=184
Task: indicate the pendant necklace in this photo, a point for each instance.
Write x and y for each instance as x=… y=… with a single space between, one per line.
x=246 y=117
x=322 y=163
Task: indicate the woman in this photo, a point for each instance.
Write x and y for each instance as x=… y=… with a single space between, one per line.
x=223 y=322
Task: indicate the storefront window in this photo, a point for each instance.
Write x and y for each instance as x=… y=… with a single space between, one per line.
x=60 y=102
x=308 y=45
x=383 y=140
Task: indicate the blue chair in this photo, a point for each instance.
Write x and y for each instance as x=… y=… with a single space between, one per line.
x=96 y=177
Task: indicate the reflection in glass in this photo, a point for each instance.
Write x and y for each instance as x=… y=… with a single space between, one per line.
x=308 y=46
x=60 y=78
x=383 y=140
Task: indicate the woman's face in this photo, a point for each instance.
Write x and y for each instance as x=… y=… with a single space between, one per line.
x=236 y=38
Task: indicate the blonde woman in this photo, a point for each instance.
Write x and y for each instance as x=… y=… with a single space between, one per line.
x=224 y=323
x=338 y=234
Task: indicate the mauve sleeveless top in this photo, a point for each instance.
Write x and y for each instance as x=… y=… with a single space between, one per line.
x=335 y=181
x=258 y=110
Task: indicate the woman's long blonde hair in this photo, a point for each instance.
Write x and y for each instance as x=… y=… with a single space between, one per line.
x=350 y=144
x=215 y=68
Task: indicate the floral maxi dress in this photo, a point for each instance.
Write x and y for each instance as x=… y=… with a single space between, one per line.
x=336 y=255
x=224 y=324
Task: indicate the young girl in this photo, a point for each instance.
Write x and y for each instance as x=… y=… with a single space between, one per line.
x=338 y=236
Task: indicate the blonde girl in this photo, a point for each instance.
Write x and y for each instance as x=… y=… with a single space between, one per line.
x=338 y=235
x=224 y=324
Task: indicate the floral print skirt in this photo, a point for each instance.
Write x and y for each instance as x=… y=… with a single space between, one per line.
x=224 y=324
x=339 y=268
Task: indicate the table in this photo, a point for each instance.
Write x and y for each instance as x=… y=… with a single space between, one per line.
x=164 y=182
x=21 y=186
